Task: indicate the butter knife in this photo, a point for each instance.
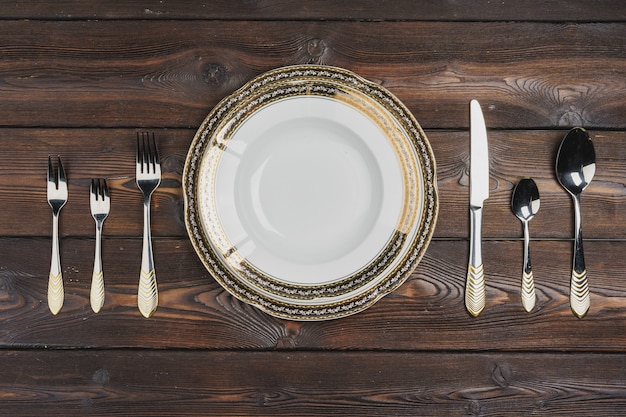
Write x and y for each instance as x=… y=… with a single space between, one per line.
x=479 y=192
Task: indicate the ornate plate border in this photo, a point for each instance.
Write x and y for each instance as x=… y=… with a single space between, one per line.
x=294 y=309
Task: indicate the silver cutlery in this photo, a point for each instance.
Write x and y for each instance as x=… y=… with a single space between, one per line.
x=525 y=204
x=575 y=168
x=148 y=176
x=479 y=192
x=57 y=197
x=100 y=204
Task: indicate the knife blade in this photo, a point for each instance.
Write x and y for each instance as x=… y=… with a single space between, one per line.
x=479 y=191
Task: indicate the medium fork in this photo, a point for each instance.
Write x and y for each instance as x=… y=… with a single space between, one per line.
x=100 y=204
x=148 y=175
x=57 y=197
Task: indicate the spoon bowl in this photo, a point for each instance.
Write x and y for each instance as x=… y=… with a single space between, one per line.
x=575 y=168
x=525 y=204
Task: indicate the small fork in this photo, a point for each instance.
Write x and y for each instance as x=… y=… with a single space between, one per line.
x=100 y=204
x=57 y=197
x=148 y=176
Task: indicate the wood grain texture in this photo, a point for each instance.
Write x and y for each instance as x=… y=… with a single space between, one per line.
x=484 y=10
x=79 y=79
x=533 y=75
x=206 y=383
x=425 y=313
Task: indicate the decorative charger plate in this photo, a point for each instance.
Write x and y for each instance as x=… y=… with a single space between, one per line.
x=310 y=192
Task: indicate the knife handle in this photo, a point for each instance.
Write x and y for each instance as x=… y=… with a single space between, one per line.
x=475 y=282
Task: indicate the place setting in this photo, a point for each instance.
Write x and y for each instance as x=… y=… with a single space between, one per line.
x=311 y=193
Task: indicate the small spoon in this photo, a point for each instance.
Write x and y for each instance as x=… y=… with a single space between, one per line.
x=525 y=204
x=575 y=168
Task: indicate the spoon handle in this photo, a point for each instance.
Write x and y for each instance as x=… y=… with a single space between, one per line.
x=528 y=281
x=579 y=284
x=475 y=282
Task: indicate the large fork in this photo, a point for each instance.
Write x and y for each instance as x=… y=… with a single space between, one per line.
x=57 y=197
x=100 y=204
x=148 y=175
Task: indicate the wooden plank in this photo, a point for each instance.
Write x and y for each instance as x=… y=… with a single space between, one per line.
x=102 y=73
x=205 y=383
x=514 y=155
x=483 y=10
x=425 y=313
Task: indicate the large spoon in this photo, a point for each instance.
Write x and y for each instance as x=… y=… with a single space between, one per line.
x=575 y=167
x=525 y=204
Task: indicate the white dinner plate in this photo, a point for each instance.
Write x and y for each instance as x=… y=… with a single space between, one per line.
x=310 y=192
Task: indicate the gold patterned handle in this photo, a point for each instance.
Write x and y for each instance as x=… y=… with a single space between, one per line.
x=579 y=284
x=475 y=290
x=56 y=294
x=475 y=282
x=529 y=296
x=147 y=295
x=579 y=294
x=96 y=296
x=528 y=291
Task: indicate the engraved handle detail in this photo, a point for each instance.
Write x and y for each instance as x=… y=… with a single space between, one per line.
x=579 y=284
x=528 y=291
x=147 y=295
x=56 y=294
x=475 y=290
x=475 y=295
x=579 y=294
x=96 y=296
x=528 y=282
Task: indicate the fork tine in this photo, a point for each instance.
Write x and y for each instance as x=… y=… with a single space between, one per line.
x=99 y=189
x=62 y=178
x=105 y=189
x=51 y=177
x=154 y=154
x=148 y=155
x=139 y=153
x=142 y=157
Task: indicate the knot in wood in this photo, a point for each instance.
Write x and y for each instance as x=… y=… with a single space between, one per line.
x=286 y=342
x=101 y=376
x=474 y=408
x=215 y=74
x=502 y=375
x=316 y=48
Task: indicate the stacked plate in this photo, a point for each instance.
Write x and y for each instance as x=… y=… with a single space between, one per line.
x=310 y=193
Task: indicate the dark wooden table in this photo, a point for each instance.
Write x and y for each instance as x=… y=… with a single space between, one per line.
x=79 y=79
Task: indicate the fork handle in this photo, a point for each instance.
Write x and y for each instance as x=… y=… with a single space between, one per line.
x=147 y=295
x=96 y=296
x=55 y=278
